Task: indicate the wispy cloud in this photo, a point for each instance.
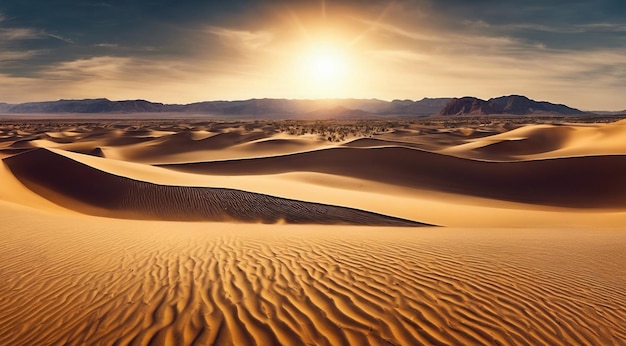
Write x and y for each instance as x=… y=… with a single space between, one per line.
x=9 y=53
x=11 y=39
x=161 y=80
x=8 y=56
x=605 y=27
x=59 y=37
x=488 y=59
x=396 y=30
x=556 y=28
x=106 y=45
x=21 y=33
x=242 y=38
x=12 y=34
x=485 y=54
x=101 y=67
x=115 y=68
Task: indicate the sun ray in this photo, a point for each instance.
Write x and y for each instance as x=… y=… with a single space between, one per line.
x=372 y=26
x=298 y=23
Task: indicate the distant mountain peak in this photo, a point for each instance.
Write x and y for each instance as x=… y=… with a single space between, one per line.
x=512 y=104
x=79 y=100
x=467 y=105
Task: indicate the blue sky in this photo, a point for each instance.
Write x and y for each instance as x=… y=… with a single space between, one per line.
x=571 y=52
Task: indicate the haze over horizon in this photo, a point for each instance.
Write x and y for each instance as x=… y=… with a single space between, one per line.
x=570 y=52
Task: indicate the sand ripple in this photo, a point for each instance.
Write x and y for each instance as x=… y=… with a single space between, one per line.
x=298 y=286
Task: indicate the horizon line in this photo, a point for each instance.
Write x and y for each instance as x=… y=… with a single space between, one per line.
x=301 y=99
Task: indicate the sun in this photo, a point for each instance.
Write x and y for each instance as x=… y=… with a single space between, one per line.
x=323 y=69
x=326 y=65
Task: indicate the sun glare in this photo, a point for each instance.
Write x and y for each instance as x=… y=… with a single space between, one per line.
x=324 y=69
x=326 y=65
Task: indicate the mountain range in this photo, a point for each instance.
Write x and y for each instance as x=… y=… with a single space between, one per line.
x=513 y=104
x=313 y=109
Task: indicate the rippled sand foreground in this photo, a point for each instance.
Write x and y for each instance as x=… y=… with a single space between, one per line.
x=86 y=280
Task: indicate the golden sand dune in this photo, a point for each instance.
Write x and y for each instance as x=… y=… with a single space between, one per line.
x=585 y=182
x=85 y=280
x=374 y=142
x=80 y=187
x=184 y=142
x=546 y=141
x=189 y=146
x=433 y=207
x=528 y=140
x=434 y=138
x=214 y=142
x=535 y=255
x=278 y=144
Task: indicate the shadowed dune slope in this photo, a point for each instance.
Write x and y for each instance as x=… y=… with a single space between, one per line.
x=83 y=188
x=580 y=182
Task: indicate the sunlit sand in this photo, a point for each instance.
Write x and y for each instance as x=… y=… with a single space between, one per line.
x=401 y=233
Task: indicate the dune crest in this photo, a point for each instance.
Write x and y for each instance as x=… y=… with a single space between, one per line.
x=81 y=187
x=579 y=182
x=546 y=141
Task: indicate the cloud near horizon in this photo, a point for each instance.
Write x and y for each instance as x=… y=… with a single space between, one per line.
x=566 y=52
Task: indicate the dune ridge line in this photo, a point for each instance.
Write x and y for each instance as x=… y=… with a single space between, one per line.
x=86 y=189
x=576 y=182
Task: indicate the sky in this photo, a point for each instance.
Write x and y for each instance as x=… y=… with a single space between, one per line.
x=172 y=51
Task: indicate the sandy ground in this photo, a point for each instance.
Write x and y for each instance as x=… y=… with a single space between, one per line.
x=295 y=239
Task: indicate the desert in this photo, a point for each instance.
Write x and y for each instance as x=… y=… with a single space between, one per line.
x=327 y=232
x=312 y=172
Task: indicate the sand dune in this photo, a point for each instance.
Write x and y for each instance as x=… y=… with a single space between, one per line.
x=80 y=187
x=433 y=138
x=546 y=141
x=184 y=148
x=278 y=144
x=433 y=207
x=143 y=282
x=184 y=142
x=584 y=182
x=97 y=249
x=16 y=194
x=374 y=142
x=528 y=140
